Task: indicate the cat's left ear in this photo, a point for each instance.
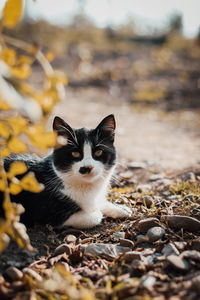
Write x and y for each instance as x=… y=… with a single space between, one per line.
x=108 y=125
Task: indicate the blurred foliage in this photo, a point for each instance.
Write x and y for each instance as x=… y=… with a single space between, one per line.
x=22 y=128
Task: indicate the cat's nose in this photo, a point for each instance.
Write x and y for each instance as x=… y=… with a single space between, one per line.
x=86 y=169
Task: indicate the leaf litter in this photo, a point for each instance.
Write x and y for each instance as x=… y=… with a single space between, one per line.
x=155 y=254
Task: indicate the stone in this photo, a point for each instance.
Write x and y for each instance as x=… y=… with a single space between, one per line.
x=136 y=165
x=126 y=243
x=144 y=188
x=147 y=281
x=178 y=263
x=191 y=254
x=32 y=274
x=116 y=236
x=63 y=248
x=188 y=177
x=108 y=251
x=14 y=273
x=70 y=238
x=155 y=177
x=183 y=222
x=126 y=174
x=147 y=201
x=146 y=224
x=170 y=249
x=155 y=233
x=132 y=255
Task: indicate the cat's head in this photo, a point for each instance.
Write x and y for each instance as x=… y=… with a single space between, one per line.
x=85 y=154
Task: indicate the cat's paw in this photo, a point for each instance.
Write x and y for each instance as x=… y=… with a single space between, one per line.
x=120 y=211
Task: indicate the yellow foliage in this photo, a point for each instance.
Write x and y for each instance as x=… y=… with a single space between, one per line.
x=16 y=168
x=16 y=146
x=30 y=183
x=4 y=130
x=15 y=127
x=12 y=12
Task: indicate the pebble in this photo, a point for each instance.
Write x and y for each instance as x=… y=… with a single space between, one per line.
x=70 y=238
x=126 y=243
x=32 y=274
x=183 y=222
x=14 y=273
x=126 y=174
x=196 y=284
x=116 y=236
x=146 y=224
x=188 y=177
x=170 y=249
x=144 y=188
x=63 y=248
x=136 y=165
x=155 y=177
x=108 y=251
x=147 y=281
x=178 y=262
x=147 y=201
x=132 y=255
x=155 y=233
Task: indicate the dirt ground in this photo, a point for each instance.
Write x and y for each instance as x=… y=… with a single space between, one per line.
x=148 y=135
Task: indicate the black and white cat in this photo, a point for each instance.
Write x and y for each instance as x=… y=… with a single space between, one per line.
x=75 y=176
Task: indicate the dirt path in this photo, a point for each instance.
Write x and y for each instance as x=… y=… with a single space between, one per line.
x=140 y=136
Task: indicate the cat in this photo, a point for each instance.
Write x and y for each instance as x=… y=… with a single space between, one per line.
x=75 y=176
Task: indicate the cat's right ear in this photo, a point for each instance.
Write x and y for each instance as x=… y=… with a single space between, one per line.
x=61 y=127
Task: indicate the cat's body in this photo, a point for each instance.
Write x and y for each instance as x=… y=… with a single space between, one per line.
x=75 y=177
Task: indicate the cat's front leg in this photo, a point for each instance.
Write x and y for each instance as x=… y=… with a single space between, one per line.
x=84 y=219
x=116 y=210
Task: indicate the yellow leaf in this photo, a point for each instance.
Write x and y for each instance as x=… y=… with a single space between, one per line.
x=16 y=146
x=30 y=183
x=17 y=124
x=9 y=56
x=4 y=152
x=4 y=105
x=16 y=168
x=2 y=185
x=12 y=12
x=4 y=131
x=49 y=56
x=41 y=139
x=21 y=72
x=15 y=188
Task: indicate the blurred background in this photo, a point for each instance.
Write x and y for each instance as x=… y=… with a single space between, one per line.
x=137 y=59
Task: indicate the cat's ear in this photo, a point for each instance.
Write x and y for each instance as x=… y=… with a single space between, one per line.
x=108 y=125
x=64 y=131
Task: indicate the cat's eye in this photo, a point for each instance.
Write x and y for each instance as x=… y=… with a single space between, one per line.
x=98 y=153
x=76 y=154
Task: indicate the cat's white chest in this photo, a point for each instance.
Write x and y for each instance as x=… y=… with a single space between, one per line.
x=90 y=197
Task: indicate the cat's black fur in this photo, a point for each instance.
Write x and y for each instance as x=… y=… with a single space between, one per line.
x=51 y=205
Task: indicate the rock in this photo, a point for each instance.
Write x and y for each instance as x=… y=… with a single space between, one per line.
x=126 y=243
x=126 y=174
x=155 y=233
x=32 y=274
x=64 y=248
x=178 y=262
x=173 y=197
x=196 y=284
x=170 y=249
x=191 y=254
x=132 y=255
x=180 y=245
x=14 y=273
x=155 y=177
x=195 y=245
x=147 y=201
x=136 y=165
x=108 y=251
x=183 y=222
x=144 y=188
x=116 y=236
x=147 y=281
x=70 y=238
x=145 y=224
x=188 y=177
